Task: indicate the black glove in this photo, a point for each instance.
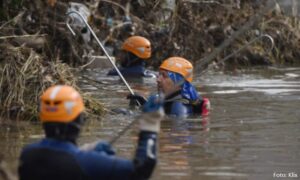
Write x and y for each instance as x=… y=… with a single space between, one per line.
x=136 y=99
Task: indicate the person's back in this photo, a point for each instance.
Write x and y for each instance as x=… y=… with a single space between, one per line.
x=54 y=159
x=58 y=157
x=40 y=162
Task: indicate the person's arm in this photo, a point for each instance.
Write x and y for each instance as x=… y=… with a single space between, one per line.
x=146 y=153
x=100 y=163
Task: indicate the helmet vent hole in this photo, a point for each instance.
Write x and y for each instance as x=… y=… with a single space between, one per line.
x=47 y=102
x=57 y=102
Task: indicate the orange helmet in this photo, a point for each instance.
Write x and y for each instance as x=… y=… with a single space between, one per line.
x=139 y=46
x=60 y=103
x=179 y=65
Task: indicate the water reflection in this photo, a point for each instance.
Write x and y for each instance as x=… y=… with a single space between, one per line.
x=179 y=140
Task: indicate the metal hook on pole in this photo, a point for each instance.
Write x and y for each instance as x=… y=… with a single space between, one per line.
x=251 y=42
x=246 y=45
x=99 y=43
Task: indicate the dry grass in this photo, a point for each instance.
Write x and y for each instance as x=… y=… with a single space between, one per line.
x=25 y=75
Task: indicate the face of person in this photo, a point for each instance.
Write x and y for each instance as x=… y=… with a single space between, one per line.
x=165 y=83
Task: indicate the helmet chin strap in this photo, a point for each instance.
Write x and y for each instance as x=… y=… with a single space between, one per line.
x=130 y=58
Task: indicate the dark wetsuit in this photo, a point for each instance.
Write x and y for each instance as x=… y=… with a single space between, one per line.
x=178 y=106
x=132 y=67
x=52 y=159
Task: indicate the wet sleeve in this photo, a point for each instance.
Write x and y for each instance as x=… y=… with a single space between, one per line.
x=99 y=165
x=146 y=155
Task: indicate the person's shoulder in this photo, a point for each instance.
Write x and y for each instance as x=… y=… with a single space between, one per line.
x=31 y=146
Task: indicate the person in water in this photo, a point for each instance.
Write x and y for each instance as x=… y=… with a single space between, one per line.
x=132 y=59
x=57 y=156
x=175 y=82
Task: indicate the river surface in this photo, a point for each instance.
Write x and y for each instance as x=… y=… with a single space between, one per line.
x=253 y=131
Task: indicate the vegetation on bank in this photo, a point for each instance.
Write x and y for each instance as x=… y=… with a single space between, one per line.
x=37 y=50
x=24 y=75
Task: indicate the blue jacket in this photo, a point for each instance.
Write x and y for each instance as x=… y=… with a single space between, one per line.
x=180 y=106
x=61 y=160
x=177 y=106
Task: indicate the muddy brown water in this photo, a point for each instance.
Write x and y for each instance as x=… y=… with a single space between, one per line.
x=253 y=131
